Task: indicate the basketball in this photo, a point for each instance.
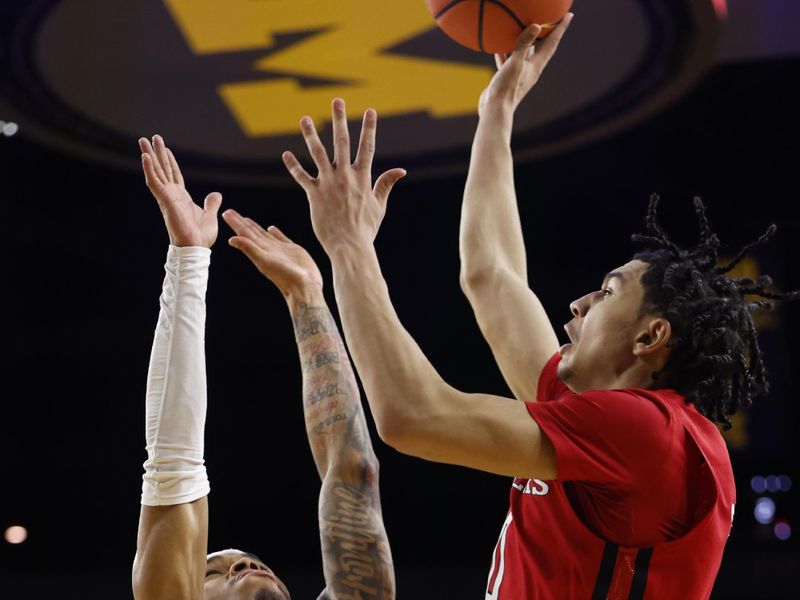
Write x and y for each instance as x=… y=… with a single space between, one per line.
x=493 y=25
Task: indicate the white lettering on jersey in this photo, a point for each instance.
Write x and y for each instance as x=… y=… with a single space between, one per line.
x=534 y=487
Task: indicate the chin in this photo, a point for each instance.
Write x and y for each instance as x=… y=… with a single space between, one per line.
x=564 y=371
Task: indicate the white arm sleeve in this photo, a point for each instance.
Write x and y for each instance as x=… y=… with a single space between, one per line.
x=174 y=472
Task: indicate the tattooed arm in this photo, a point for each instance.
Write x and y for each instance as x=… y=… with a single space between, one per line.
x=355 y=550
x=356 y=555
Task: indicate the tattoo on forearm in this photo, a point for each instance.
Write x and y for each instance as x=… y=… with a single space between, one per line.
x=357 y=558
x=328 y=421
x=313 y=321
x=356 y=554
x=321 y=393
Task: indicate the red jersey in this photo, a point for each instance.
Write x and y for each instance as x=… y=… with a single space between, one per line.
x=641 y=509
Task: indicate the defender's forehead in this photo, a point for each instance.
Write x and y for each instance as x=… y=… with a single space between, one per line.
x=230 y=554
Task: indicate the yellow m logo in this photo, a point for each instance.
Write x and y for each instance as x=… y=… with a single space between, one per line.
x=348 y=50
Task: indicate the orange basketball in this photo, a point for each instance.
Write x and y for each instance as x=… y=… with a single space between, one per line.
x=494 y=25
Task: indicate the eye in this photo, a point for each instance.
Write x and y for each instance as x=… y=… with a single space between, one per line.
x=213 y=572
x=606 y=292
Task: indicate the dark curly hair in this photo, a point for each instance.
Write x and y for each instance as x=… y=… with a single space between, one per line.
x=715 y=362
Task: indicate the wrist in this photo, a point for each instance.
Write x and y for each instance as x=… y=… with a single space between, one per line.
x=499 y=115
x=351 y=253
x=309 y=293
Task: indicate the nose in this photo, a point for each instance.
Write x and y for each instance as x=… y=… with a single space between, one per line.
x=581 y=306
x=243 y=564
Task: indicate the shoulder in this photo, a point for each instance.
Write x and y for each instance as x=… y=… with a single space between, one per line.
x=624 y=408
x=607 y=435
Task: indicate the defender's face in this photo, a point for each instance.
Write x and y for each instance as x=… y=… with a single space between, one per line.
x=235 y=575
x=603 y=330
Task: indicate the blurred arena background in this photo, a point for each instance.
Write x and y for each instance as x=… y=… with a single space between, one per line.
x=684 y=98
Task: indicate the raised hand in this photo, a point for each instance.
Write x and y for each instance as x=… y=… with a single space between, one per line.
x=345 y=206
x=279 y=259
x=187 y=223
x=518 y=72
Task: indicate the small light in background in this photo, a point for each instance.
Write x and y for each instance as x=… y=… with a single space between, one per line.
x=16 y=534
x=764 y=511
x=783 y=531
x=8 y=128
x=758 y=484
x=773 y=484
x=784 y=483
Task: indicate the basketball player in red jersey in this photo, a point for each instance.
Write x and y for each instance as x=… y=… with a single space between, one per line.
x=621 y=478
x=171 y=561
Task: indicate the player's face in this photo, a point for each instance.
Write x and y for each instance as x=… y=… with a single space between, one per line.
x=603 y=330
x=235 y=575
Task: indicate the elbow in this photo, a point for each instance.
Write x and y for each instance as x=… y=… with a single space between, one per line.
x=475 y=280
x=398 y=430
x=470 y=278
x=361 y=472
x=392 y=429
x=408 y=435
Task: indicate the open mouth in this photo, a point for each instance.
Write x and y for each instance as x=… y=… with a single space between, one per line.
x=255 y=573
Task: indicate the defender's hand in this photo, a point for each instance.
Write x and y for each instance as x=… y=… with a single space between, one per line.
x=345 y=207
x=518 y=73
x=279 y=259
x=187 y=223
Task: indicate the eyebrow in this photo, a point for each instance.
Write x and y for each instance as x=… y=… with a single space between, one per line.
x=614 y=275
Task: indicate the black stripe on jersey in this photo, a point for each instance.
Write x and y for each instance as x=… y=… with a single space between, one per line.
x=603 y=582
x=640 y=568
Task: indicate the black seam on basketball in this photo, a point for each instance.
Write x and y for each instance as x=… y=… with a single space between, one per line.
x=510 y=12
x=480 y=25
x=448 y=7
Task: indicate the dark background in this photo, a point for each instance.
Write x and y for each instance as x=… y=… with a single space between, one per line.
x=82 y=255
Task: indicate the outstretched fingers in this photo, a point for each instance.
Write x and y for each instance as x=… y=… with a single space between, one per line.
x=386 y=182
x=243 y=227
x=341 y=135
x=151 y=177
x=176 y=170
x=152 y=169
x=547 y=47
x=296 y=170
x=163 y=157
x=277 y=233
x=524 y=44
x=366 y=145
x=314 y=145
x=212 y=203
x=247 y=246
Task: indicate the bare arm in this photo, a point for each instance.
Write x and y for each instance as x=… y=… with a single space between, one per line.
x=173 y=524
x=493 y=261
x=356 y=556
x=415 y=410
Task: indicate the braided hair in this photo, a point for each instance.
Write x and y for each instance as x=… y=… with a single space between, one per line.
x=715 y=362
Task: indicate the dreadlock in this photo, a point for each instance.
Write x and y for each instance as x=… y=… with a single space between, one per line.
x=715 y=362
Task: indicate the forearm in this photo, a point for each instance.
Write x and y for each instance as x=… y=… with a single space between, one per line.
x=401 y=385
x=173 y=525
x=491 y=234
x=176 y=384
x=349 y=501
x=335 y=423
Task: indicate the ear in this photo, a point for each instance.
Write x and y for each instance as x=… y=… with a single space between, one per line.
x=653 y=338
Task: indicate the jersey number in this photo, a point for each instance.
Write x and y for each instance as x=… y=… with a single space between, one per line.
x=498 y=562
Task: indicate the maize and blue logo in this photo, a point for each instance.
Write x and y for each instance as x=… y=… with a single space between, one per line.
x=227 y=82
